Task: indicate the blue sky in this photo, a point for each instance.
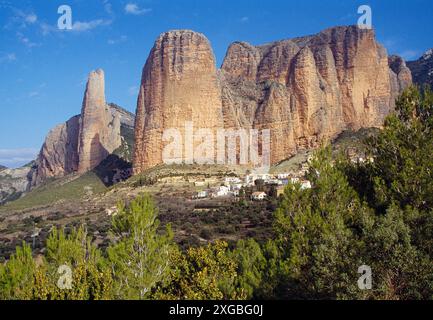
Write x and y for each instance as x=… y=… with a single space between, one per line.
x=43 y=70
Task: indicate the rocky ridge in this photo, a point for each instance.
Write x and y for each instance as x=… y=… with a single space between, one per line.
x=422 y=69
x=305 y=90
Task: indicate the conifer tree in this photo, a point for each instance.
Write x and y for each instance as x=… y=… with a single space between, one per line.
x=140 y=256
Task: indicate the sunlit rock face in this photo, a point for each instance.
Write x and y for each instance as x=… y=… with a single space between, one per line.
x=81 y=143
x=99 y=131
x=179 y=84
x=305 y=90
x=309 y=89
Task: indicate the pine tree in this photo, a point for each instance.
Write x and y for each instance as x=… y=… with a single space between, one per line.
x=203 y=273
x=402 y=170
x=140 y=256
x=251 y=265
x=17 y=274
x=90 y=277
x=318 y=231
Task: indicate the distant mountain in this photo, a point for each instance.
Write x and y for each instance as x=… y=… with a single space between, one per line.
x=422 y=69
x=2 y=167
x=13 y=183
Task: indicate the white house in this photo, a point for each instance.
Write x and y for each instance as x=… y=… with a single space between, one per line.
x=305 y=185
x=251 y=178
x=264 y=176
x=258 y=196
x=283 y=176
x=222 y=191
x=199 y=183
x=236 y=187
x=202 y=194
x=231 y=180
x=274 y=181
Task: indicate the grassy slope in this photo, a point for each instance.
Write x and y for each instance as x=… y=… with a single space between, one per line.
x=61 y=189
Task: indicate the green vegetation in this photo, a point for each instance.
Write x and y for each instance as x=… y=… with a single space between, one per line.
x=62 y=189
x=377 y=213
x=139 y=257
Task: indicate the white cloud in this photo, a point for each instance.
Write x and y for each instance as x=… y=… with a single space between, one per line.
x=8 y=57
x=118 y=40
x=80 y=26
x=245 y=19
x=132 y=8
x=21 y=19
x=33 y=94
x=26 y=41
x=47 y=28
x=31 y=18
x=17 y=157
x=108 y=7
x=409 y=54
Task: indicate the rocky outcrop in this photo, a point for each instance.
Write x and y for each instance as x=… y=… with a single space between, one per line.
x=422 y=69
x=402 y=72
x=99 y=133
x=179 y=84
x=13 y=183
x=85 y=140
x=59 y=153
x=308 y=89
x=305 y=90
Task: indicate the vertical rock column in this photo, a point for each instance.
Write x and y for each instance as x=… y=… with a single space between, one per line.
x=96 y=138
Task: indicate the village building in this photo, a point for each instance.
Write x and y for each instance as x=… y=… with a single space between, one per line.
x=199 y=183
x=258 y=196
x=231 y=180
x=274 y=182
x=202 y=194
x=221 y=191
x=305 y=185
x=283 y=176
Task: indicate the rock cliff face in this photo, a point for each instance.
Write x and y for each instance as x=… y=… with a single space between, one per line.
x=304 y=90
x=85 y=140
x=401 y=71
x=422 y=69
x=179 y=85
x=309 y=89
x=13 y=183
x=59 y=153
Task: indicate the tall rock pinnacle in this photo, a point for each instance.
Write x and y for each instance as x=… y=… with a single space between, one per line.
x=99 y=135
x=82 y=142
